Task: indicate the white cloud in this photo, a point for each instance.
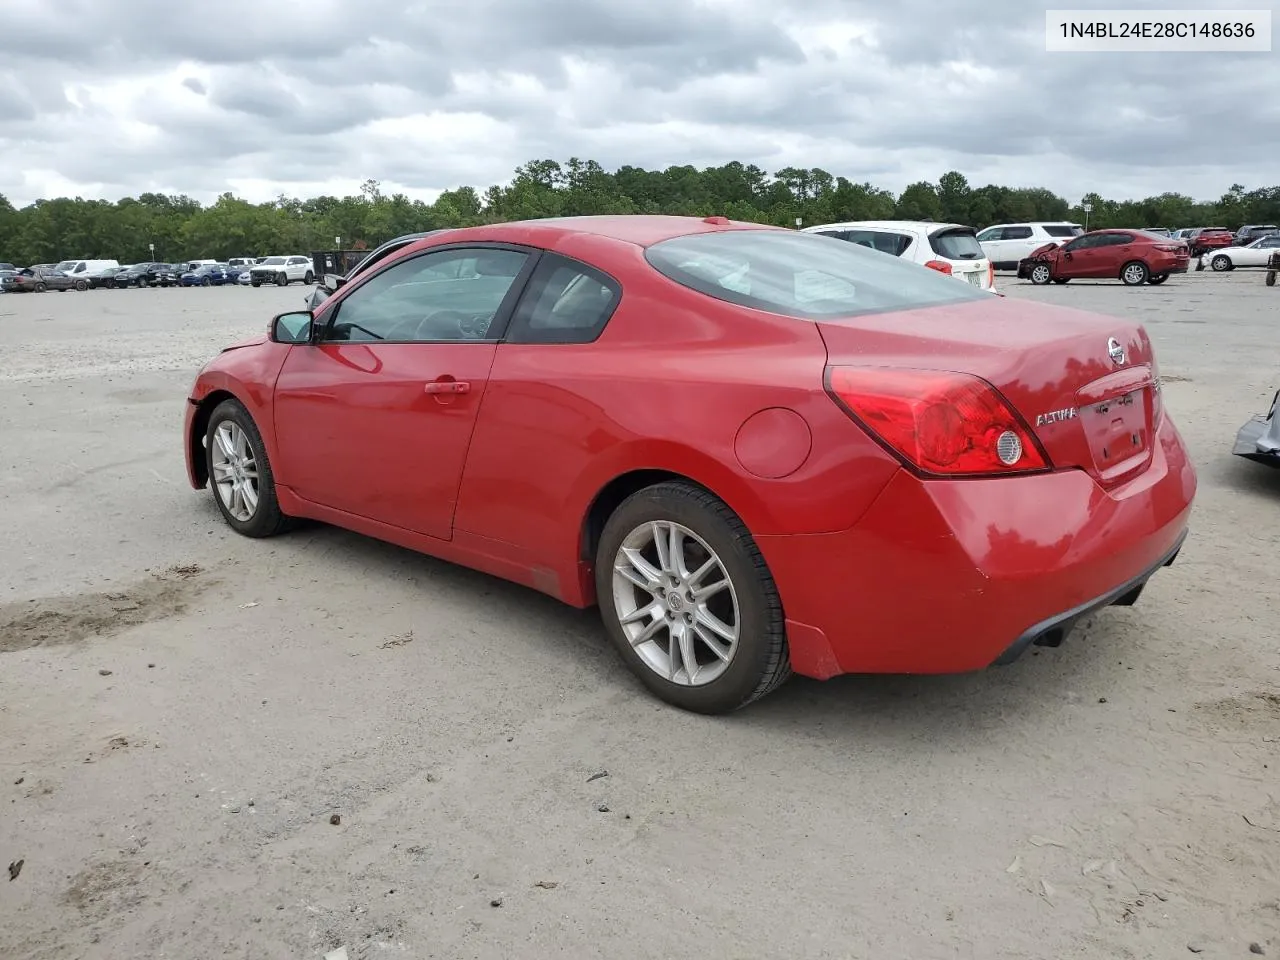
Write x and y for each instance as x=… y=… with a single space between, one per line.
x=316 y=96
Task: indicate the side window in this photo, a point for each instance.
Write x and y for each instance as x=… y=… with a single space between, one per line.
x=1081 y=243
x=1118 y=239
x=991 y=233
x=567 y=302
x=1016 y=233
x=448 y=295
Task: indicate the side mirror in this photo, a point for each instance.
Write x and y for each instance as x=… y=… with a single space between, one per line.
x=333 y=281
x=294 y=327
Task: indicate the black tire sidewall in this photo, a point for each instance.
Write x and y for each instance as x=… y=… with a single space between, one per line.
x=761 y=625
x=266 y=519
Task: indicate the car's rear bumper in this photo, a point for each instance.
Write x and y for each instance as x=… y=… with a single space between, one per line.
x=1259 y=439
x=950 y=576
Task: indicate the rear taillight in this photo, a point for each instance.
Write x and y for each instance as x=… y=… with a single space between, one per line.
x=940 y=265
x=940 y=423
x=1169 y=247
x=991 y=275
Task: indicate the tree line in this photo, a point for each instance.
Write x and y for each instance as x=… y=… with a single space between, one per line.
x=181 y=228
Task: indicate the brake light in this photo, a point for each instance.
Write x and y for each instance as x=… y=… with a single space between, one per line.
x=938 y=422
x=1169 y=247
x=991 y=275
x=940 y=265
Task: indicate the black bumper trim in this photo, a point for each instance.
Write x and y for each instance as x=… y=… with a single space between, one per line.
x=1051 y=632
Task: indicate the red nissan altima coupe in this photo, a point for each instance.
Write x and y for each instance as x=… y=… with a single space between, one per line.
x=758 y=451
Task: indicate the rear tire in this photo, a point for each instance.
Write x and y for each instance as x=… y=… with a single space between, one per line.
x=82 y=285
x=1134 y=273
x=233 y=436
x=726 y=674
x=41 y=288
x=1041 y=274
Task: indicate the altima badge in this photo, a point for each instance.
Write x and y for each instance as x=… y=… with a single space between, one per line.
x=1116 y=352
x=1057 y=416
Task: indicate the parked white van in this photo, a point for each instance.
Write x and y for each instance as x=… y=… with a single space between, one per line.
x=85 y=269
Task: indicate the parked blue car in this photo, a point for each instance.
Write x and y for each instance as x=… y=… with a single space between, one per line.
x=214 y=275
x=209 y=275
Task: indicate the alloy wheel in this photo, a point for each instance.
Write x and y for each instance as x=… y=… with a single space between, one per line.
x=676 y=603
x=235 y=471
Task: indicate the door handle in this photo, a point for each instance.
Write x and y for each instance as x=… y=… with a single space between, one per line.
x=447 y=386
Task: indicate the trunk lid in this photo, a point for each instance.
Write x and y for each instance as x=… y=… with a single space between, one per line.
x=1085 y=384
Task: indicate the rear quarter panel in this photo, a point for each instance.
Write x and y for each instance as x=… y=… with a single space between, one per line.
x=667 y=386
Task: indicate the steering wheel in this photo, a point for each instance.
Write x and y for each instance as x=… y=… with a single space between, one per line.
x=469 y=326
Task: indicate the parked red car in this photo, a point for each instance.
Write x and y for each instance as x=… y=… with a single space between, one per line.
x=757 y=450
x=1210 y=238
x=1133 y=256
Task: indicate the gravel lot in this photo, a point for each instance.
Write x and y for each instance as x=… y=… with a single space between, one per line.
x=183 y=711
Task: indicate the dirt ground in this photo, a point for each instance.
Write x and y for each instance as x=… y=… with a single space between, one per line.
x=215 y=747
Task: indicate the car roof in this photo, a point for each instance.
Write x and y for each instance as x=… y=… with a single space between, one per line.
x=639 y=229
x=919 y=225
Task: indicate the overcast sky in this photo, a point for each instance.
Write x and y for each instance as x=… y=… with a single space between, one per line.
x=103 y=99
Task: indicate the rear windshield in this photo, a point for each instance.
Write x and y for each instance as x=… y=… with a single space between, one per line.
x=803 y=275
x=1063 y=230
x=957 y=244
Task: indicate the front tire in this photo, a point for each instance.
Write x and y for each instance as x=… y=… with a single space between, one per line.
x=1271 y=278
x=686 y=597
x=1134 y=273
x=282 y=279
x=309 y=279
x=1041 y=274
x=240 y=473
x=1220 y=263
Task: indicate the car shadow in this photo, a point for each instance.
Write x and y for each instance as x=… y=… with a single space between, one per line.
x=1249 y=477
x=938 y=708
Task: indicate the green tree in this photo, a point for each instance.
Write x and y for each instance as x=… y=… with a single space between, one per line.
x=51 y=229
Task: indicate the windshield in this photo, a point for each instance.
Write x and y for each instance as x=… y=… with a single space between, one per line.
x=957 y=245
x=272 y=261
x=65 y=265
x=803 y=275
